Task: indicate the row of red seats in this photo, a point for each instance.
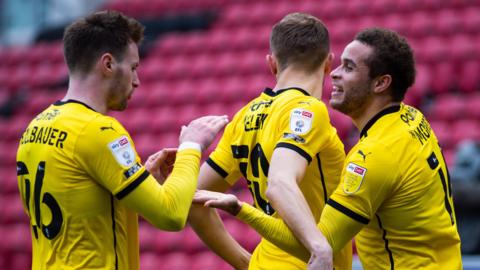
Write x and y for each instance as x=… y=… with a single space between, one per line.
x=443 y=20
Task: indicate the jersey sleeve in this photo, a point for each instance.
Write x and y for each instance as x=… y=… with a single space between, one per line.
x=222 y=158
x=304 y=127
x=107 y=154
x=368 y=179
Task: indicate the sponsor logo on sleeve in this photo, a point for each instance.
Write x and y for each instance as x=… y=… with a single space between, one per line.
x=132 y=170
x=300 y=121
x=294 y=137
x=123 y=152
x=353 y=179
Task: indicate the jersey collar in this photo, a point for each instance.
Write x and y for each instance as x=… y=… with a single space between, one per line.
x=60 y=102
x=374 y=119
x=270 y=92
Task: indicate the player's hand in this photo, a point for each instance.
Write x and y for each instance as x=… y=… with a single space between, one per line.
x=160 y=164
x=225 y=202
x=203 y=130
x=321 y=259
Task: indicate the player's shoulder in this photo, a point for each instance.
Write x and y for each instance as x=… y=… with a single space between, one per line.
x=104 y=126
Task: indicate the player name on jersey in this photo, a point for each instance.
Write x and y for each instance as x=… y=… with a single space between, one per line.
x=44 y=135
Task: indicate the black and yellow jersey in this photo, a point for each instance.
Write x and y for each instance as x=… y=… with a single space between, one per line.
x=76 y=170
x=395 y=182
x=289 y=118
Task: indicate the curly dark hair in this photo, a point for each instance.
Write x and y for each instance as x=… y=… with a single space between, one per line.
x=105 y=31
x=300 y=39
x=392 y=55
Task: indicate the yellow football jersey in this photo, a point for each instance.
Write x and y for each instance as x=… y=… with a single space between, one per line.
x=395 y=182
x=288 y=118
x=70 y=161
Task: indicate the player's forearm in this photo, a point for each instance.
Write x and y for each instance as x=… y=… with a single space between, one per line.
x=166 y=207
x=290 y=204
x=209 y=227
x=177 y=191
x=274 y=230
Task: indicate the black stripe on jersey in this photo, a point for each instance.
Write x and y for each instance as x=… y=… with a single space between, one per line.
x=348 y=212
x=296 y=149
x=372 y=121
x=319 y=163
x=114 y=232
x=270 y=92
x=384 y=236
x=59 y=103
x=134 y=184
x=217 y=168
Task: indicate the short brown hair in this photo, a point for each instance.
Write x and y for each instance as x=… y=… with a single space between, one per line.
x=105 y=31
x=391 y=55
x=300 y=39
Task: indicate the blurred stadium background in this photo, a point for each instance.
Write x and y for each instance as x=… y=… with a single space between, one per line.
x=208 y=57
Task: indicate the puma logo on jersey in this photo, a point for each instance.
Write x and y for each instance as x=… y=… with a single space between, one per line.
x=360 y=152
x=107 y=128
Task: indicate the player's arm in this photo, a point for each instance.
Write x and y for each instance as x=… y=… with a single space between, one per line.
x=287 y=169
x=337 y=227
x=209 y=226
x=166 y=206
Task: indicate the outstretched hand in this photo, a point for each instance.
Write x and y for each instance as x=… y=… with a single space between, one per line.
x=203 y=130
x=225 y=202
x=161 y=163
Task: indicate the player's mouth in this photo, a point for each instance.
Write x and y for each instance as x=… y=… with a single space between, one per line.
x=336 y=90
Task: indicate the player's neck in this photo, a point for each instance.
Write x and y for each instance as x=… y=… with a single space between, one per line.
x=361 y=117
x=311 y=82
x=87 y=90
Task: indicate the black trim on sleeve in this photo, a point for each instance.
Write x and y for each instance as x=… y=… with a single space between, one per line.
x=217 y=168
x=374 y=119
x=134 y=184
x=61 y=102
x=114 y=231
x=384 y=236
x=319 y=163
x=296 y=149
x=348 y=212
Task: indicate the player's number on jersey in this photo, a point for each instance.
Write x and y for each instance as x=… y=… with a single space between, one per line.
x=433 y=162
x=51 y=230
x=258 y=161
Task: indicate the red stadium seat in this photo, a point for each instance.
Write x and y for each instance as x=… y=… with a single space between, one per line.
x=443 y=132
x=462 y=47
x=421 y=23
x=445 y=78
x=205 y=260
x=190 y=242
x=447 y=22
x=150 y=260
x=175 y=261
x=466 y=130
x=471 y=20
x=447 y=107
x=469 y=80
x=167 y=242
x=472 y=106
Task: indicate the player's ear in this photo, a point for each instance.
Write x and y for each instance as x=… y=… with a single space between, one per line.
x=382 y=83
x=106 y=63
x=272 y=63
x=328 y=63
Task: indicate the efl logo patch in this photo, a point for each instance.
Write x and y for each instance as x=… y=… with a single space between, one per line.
x=353 y=178
x=301 y=121
x=123 y=152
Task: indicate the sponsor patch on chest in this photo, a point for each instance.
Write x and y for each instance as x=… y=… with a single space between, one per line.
x=301 y=121
x=353 y=178
x=123 y=151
